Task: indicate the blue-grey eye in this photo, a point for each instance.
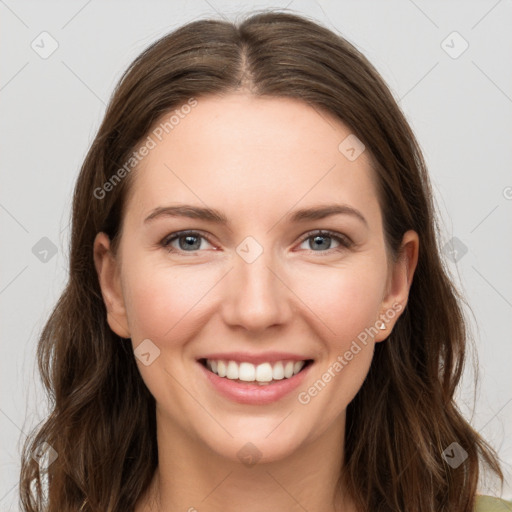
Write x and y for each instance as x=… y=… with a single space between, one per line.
x=322 y=241
x=187 y=242
x=191 y=242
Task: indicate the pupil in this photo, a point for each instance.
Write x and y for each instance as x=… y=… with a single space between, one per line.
x=190 y=241
x=320 y=237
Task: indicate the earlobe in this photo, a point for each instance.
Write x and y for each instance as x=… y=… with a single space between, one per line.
x=399 y=284
x=108 y=276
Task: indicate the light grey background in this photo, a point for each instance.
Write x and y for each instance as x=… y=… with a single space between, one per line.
x=460 y=109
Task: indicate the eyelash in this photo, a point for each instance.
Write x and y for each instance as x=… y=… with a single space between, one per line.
x=344 y=241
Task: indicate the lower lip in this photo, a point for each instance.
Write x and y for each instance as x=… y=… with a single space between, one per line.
x=254 y=394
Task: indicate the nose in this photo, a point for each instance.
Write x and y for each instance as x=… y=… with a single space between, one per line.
x=256 y=295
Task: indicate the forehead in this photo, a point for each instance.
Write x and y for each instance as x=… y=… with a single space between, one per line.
x=250 y=155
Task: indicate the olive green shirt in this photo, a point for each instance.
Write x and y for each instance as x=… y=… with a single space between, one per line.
x=491 y=504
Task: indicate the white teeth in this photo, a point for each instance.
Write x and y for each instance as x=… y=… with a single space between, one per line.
x=278 y=371
x=232 y=371
x=221 y=368
x=264 y=372
x=297 y=367
x=248 y=372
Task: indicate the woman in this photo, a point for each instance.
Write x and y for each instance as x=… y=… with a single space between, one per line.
x=257 y=314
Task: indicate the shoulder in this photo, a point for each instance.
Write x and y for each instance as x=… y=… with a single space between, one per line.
x=491 y=504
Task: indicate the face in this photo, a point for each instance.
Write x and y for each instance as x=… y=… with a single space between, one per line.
x=248 y=272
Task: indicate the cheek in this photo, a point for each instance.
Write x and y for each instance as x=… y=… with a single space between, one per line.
x=345 y=299
x=347 y=302
x=160 y=300
x=165 y=305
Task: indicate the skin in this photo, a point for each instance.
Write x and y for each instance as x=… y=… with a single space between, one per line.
x=256 y=160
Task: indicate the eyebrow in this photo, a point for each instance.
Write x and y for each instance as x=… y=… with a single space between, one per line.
x=213 y=215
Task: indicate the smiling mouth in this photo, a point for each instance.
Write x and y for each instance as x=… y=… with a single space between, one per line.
x=262 y=374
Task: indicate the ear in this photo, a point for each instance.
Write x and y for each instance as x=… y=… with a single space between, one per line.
x=398 y=285
x=107 y=268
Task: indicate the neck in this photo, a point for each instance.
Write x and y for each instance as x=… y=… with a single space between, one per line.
x=193 y=478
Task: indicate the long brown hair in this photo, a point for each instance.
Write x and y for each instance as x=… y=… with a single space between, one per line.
x=102 y=421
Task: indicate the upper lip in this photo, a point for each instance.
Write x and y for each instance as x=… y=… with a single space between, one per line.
x=265 y=357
